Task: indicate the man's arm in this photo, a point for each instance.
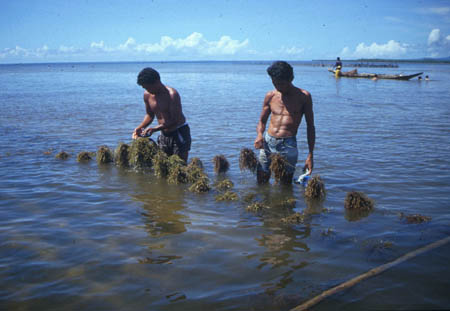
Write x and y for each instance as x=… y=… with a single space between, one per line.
x=310 y=131
x=148 y=118
x=265 y=113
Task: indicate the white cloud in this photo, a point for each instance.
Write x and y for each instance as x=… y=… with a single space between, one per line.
x=390 y=49
x=440 y=11
x=434 y=36
x=291 y=51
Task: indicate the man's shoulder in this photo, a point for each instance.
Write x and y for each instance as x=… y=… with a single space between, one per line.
x=303 y=92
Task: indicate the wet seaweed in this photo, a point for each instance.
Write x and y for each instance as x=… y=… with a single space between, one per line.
x=85 y=156
x=221 y=164
x=196 y=162
x=62 y=155
x=315 y=188
x=104 y=155
x=257 y=207
x=224 y=185
x=200 y=186
x=248 y=160
x=161 y=164
x=227 y=196
x=415 y=218
x=296 y=218
x=278 y=166
x=195 y=173
x=122 y=155
x=356 y=200
x=141 y=152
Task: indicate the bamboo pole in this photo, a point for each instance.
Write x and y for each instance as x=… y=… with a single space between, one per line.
x=368 y=274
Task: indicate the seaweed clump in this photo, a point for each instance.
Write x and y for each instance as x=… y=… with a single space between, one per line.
x=201 y=185
x=122 y=155
x=278 y=166
x=257 y=207
x=84 y=156
x=196 y=162
x=296 y=218
x=224 y=185
x=104 y=155
x=177 y=170
x=227 y=196
x=221 y=164
x=141 y=152
x=356 y=200
x=161 y=164
x=315 y=188
x=248 y=160
x=62 y=155
x=416 y=218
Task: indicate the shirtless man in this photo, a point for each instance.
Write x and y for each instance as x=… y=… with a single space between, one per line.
x=287 y=104
x=164 y=102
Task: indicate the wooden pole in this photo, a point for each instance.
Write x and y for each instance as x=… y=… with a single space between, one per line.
x=368 y=274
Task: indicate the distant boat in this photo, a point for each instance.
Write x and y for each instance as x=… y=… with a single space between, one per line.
x=354 y=74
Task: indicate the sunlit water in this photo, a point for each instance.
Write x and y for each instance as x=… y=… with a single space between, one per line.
x=88 y=237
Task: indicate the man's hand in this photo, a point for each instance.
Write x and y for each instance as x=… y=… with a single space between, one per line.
x=309 y=163
x=259 y=142
x=148 y=132
x=137 y=133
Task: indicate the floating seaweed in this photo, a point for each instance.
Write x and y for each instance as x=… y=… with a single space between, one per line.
x=141 y=152
x=62 y=155
x=278 y=166
x=248 y=160
x=257 y=207
x=225 y=184
x=195 y=173
x=196 y=162
x=201 y=185
x=177 y=174
x=227 y=196
x=356 y=200
x=296 y=218
x=104 y=155
x=248 y=198
x=221 y=164
x=415 y=218
x=122 y=155
x=161 y=164
x=315 y=188
x=175 y=160
x=85 y=156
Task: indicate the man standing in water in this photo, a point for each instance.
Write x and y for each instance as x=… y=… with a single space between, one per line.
x=287 y=104
x=163 y=102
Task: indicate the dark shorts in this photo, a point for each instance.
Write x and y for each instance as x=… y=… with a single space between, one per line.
x=176 y=142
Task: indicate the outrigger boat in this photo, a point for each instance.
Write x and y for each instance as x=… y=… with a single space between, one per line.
x=354 y=74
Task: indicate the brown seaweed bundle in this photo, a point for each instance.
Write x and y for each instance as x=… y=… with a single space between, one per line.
x=315 y=188
x=62 y=155
x=227 y=196
x=142 y=152
x=195 y=173
x=248 y=160
x=84 y=156
x=122 y=155
x=296 y=218
x=416 y=218
x=104 y=155
x=201 y=185
x=221 y=164
x=278 y=167
x=177 y=170
x=196 y=162
x=257 y=207
x=225 y=184
x=161 y=164
x=356 y=200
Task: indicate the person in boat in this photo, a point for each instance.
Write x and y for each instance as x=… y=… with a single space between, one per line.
x=285 y=105
x=163 y=102
x=338 y=67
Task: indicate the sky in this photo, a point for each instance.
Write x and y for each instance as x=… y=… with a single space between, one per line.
x=40 y=31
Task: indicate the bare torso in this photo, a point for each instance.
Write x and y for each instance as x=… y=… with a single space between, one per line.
x=286 y=111
x=166 y=106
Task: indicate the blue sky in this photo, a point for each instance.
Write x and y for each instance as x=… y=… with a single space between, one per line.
x=164 y=30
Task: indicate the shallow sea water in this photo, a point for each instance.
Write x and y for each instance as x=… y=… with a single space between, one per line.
x=88 y=237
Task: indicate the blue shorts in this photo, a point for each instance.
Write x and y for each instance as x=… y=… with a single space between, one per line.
x=286 y=146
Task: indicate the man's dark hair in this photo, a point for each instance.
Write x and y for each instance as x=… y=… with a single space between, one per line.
x=148 y=76
x=281 y=70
